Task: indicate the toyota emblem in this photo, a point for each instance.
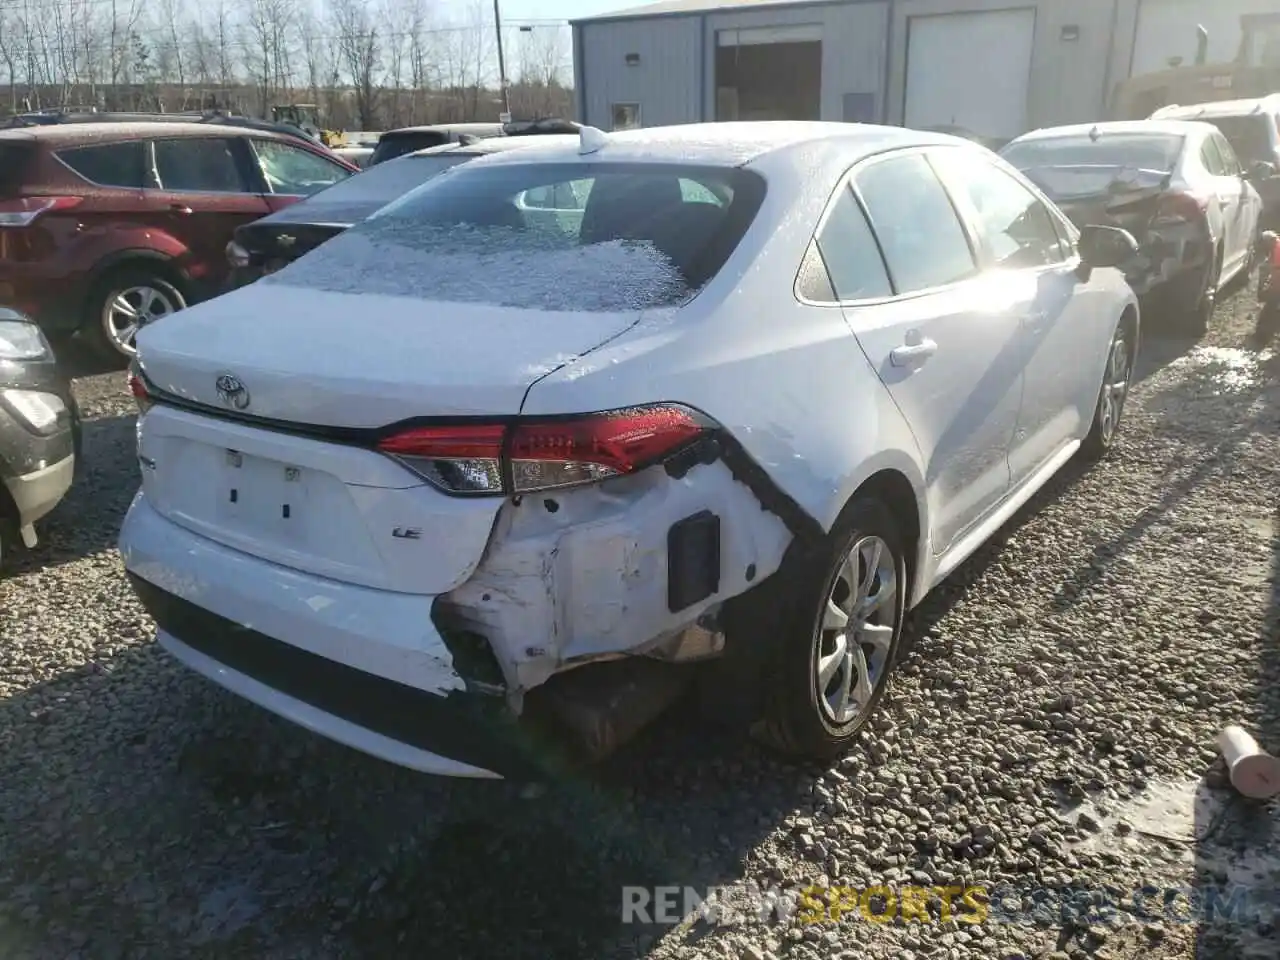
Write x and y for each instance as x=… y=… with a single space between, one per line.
x=231 y=391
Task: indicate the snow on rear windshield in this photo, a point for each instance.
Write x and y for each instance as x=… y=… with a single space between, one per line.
x=575 y=237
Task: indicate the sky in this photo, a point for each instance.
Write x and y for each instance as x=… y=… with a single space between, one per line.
x=553 y=9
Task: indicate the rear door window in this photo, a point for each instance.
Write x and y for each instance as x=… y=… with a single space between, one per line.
x=923 y=241
x=632 y=241
x=1230 y=164
x=296 y=171
x=109 y=164
x=850 y=253
x=1211 y=158
x=199 y=165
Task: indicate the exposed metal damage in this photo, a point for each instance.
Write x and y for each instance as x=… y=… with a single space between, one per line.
x=620 y=584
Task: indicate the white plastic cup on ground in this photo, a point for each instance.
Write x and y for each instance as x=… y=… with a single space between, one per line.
x=1254 y=772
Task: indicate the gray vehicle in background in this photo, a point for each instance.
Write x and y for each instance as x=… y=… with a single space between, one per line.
x=267 y=245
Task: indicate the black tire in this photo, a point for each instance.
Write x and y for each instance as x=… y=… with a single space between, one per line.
x=8 y=542
x=1109 y=410
x=798 y=719
x=1194 y=310
x=93 y=326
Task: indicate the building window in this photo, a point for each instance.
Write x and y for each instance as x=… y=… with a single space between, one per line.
x=626 y=116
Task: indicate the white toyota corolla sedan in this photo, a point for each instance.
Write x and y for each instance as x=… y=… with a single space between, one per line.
x=480 y=482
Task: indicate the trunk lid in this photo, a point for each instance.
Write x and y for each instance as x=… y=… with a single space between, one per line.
x=270 y=240
x=1104 y=195
x=332 y=510
x=323 y=501
x=331 y=359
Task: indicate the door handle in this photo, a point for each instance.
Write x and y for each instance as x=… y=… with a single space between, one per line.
x=910 y=353
x=181 y=209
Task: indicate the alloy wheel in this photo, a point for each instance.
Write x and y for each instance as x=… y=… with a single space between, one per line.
x=128 y=310
x=855 y=633
x=1115 y=387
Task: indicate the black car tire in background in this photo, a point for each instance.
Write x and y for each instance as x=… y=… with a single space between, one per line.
x=134 y=283
x=1192 y=298
x=8 y=536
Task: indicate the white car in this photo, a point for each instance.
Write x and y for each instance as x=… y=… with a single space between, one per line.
x=1175 y=185
x=501 y=461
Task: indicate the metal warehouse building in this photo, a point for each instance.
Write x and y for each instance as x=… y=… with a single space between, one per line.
x=996 y=67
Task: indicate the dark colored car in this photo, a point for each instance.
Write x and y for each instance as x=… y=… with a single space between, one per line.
x=406 y=140
x=1176 y=186
x=108 y=226
x=266 y=245
x=39 y=431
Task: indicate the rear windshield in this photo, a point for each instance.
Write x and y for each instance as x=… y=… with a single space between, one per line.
x=355 y=197
x=1249 y=136
x=1144 y=151
x=13 y=164
x=392 y=145
x=541 y=236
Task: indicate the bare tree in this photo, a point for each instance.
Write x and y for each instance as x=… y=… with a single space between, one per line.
x=359 y=54
x=367 y=63
x=541 y=61
x=171 y=62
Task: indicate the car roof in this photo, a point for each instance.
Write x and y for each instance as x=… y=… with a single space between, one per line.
x=733 y=143
x=114 y=132
x=450 y=127
x=497 y=145
x=1220 y=108
x=1174 y=128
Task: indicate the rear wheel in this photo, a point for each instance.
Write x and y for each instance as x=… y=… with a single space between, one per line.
x=838 y=636
x=1196 y=311
x=122 y=303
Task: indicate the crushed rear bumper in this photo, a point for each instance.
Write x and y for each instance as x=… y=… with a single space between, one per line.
x=405 y=703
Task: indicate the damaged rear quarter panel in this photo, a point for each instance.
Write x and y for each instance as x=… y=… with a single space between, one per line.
x=582 y=573
x=787 y=381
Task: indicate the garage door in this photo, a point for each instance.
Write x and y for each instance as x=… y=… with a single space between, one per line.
x=1167 y=28
x=970 y=70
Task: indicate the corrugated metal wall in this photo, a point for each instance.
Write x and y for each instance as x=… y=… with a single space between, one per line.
x=674 y=81
x=853 y=48
x=665 y=82
x=1081 y=49
x=1069 y=77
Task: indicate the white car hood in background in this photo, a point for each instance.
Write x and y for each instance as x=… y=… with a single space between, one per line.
x=347 y=360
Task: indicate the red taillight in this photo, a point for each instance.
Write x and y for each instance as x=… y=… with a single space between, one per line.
x=24 y=211
x=545 y=454
x=1182 y=206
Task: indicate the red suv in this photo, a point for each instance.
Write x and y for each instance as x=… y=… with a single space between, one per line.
x=108 y=226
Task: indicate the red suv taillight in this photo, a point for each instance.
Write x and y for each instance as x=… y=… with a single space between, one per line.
x=26 y=210
x=532 y=455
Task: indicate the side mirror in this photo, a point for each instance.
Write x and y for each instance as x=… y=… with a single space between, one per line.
x=1260 y=170
x=1106 y=246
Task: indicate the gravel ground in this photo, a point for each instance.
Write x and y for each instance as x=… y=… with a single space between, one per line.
x=1088 y=655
